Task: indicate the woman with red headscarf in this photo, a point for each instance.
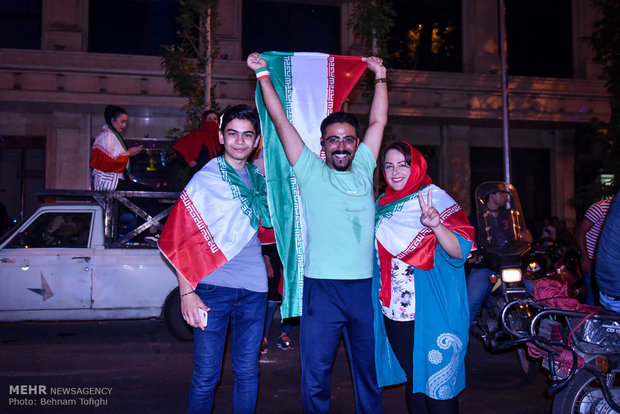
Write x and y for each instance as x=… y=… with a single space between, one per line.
x=423 y=239
x=201 y=144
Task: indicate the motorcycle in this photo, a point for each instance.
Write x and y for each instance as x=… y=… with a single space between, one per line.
x=504 y=242
x=553 y=262
x=579 y=345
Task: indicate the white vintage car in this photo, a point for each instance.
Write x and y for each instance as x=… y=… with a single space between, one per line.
x=57 y=266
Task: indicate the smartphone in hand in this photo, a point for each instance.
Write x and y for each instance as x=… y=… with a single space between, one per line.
x=204 y=316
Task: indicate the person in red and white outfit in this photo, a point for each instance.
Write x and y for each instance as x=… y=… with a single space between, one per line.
x=110 y=156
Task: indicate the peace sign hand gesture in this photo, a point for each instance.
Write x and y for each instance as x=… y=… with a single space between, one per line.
x=430 y=216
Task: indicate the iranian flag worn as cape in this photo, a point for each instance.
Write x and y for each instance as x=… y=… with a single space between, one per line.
x=212 y=220
x=310 y=86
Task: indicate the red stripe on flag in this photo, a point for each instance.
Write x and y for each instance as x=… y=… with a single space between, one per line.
x=421 y=252
x=187 y=242
x=346 y=71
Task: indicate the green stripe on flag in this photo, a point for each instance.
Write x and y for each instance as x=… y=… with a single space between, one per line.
x=284 y=207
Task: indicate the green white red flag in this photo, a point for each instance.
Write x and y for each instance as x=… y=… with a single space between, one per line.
x=211 y=222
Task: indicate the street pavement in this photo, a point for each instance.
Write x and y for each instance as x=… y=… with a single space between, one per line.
x=130 y=367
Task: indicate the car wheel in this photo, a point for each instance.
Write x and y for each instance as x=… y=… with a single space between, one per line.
x=174 y=319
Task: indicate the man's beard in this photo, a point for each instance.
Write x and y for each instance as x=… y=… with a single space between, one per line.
x=341 y=167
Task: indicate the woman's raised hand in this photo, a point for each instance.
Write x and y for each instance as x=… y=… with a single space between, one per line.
x=430 y=216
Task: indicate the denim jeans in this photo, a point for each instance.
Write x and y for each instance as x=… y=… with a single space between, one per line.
x=478 y=286
x=246 y=312
x=609 y=302
x=271 y=308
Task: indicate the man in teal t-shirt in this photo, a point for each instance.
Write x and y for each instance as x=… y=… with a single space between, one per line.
x=338 y=202
x=338 y=206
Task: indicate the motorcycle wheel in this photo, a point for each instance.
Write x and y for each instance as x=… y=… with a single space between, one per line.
x=529 y=368
x=584 y=395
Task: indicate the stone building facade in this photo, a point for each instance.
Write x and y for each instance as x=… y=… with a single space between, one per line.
x=56 y=95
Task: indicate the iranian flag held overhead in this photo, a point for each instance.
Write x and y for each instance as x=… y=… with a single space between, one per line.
x=310 y=86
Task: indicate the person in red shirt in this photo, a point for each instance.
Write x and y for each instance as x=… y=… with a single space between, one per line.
x=201 y=144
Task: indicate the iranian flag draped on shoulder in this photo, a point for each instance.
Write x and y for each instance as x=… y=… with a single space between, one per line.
x=311 y=86
x=213 y=219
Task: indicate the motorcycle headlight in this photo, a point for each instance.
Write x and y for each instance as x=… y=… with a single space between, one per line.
x=511 y=275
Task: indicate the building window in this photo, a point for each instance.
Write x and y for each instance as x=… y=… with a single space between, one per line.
x=22 y=176
x=539 y=40
x=426 y=35
x=134 y=27
x=20 y=24
x=290 y=27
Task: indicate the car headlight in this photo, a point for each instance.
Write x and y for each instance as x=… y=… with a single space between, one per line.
x=511 y=275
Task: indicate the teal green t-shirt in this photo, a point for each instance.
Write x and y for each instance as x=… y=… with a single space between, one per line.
x=339 y=210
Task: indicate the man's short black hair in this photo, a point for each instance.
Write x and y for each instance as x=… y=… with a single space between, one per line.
x=340 y=118
x=112 y=112
x=241 y=112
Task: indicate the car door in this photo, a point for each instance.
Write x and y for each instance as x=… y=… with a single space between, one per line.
x=47 y=265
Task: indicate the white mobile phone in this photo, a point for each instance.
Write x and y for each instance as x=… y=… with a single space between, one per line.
x=204 y=316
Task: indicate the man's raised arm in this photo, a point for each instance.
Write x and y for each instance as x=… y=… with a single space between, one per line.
x=289 y=137
x=377 y=120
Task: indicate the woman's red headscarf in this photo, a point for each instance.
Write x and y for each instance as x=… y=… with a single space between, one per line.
x=417 y=179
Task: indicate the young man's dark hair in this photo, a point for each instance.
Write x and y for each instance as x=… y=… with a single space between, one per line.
x=241 y=111
x=112 y=112
x=340 y=118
